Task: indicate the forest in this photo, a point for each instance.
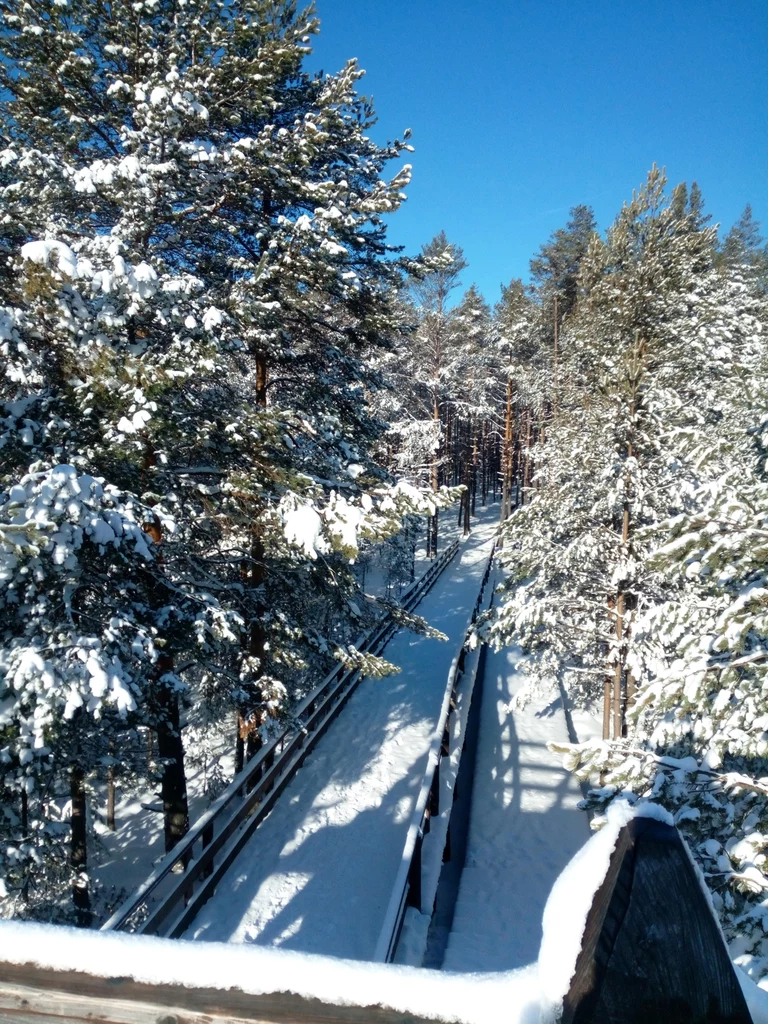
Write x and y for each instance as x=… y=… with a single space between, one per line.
x=232 y=416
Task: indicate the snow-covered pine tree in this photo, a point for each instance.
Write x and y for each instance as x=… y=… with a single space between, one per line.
x=654 y=349
x=524 y=378
x=744 y=248
x=198 y=270
x=442 y=265
x=474 y=390
x=697 y=735
x=79 y=649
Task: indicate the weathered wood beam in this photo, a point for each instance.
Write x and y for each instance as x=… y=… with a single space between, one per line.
x=652 y=950
x=32 y=994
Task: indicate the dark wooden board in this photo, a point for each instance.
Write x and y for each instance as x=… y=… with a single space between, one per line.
x=652 y=950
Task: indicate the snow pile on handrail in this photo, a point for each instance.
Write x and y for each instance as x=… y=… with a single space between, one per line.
x=469 y=999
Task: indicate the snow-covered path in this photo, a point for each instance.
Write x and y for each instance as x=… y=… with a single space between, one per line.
x=317 y=874
x=524 y=827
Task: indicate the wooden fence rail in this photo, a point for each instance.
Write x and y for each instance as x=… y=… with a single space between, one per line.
x=167 y=902
x=651 y=953
x=407 y=888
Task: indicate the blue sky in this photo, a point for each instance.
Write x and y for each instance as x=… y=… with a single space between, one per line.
x=522 y=109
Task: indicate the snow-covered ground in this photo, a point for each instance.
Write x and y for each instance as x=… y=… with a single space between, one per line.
x=524 y=826
x=317 y=874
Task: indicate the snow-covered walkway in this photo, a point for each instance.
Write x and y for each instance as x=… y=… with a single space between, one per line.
x=317 y=874
x=524 y=826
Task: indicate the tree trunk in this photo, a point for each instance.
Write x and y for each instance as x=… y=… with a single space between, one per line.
x=622 y=679
x=111 y=798
x=507 y=456
x=261 y=380
x=618 y=672
x=78 y=853
x=239 y=744
x=475 y=455
x=608 y=682
x=435 y=482
x=483 y=465
x=467 y=495
x=250 y=719
x=170 y=750
x=555 y=367
x=607 y=688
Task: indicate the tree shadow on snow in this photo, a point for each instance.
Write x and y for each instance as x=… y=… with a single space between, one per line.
x=524 y=828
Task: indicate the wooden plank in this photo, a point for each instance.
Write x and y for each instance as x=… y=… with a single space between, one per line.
x=31 y=994
x=652 y=949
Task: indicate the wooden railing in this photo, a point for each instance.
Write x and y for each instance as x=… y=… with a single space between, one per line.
x=167 y=902
x=651 y=953
x=407 y=888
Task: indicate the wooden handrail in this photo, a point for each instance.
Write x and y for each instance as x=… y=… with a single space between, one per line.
x=407 y=887
x=208 y=848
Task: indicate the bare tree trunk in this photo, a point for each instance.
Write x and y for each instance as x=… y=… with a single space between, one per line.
x=239 y=743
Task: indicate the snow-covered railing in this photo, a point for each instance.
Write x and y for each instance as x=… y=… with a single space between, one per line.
x=186 y=878
x=408 y=883
x=629 y=936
